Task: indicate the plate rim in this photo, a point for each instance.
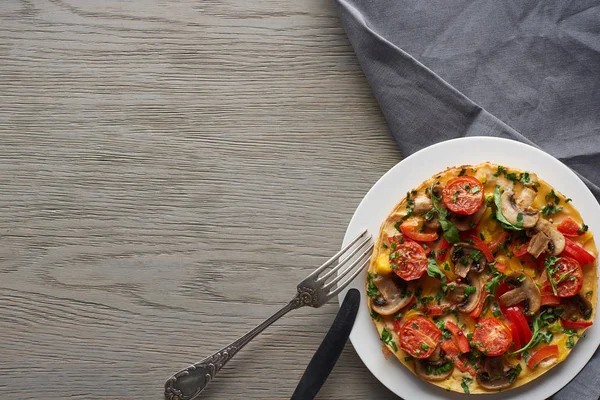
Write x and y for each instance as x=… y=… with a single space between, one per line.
x=550 y=382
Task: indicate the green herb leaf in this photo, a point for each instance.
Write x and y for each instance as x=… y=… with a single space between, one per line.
x=372 y=290
x=553 y=197
x=465 y=384
x=434 y=271
x=387 y=338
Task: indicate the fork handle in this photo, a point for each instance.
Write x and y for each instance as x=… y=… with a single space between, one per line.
x=188 y=383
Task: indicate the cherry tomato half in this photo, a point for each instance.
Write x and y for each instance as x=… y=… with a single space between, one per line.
x=419 y=337
x=568 y=277
x=492 y=337
x=409 y=260
x=463 y=195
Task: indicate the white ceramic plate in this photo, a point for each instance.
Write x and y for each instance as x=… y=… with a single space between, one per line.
x=408 y=174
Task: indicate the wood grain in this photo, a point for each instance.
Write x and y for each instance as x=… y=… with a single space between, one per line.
x=169 y=171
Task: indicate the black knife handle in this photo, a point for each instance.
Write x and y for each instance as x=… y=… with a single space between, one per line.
x=330 y=349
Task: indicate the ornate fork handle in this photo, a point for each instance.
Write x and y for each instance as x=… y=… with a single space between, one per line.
x=188 y=383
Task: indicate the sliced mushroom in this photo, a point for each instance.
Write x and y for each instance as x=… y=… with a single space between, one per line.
x=511 y=211
x=422 y=204
x=493 y=375
x=429 y=368
x=464 y=260
x=557 y=240
x=466 y=222
x=576 y=307
x=469 y=302
x=394 y=295
x=524 y=289
x=526 y=198
x=538 y=244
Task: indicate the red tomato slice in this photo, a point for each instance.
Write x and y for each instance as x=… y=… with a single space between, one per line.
x=501 y=239
x=567 y=324
x=550 y=300
x=542 y=354
x=411 y=228
x=483 y=247
x=419 y=337
x=515 y=335
x=459 y=337
x=409 y=260
x=574 y=250
x=443 y=248
x=569 y=227
x=515 y=315
x=459 y=361
x=568 y=277
x=463 y=195
x=492 y=337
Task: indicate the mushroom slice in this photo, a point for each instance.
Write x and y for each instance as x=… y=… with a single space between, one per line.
x=493 y=375
x=511 y=211
x=557 y=239
x=464 y=259
x=393 y=297
x=422 y=204
x=526 y=198
x=435 y=368
x=576 y=306
x=471 y=300
x=466 y=222
x=538 y=244
x=524 y=289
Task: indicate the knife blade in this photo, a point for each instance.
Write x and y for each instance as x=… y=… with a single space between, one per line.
x=327 y=354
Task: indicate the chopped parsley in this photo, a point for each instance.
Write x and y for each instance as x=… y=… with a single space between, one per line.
x=466 y=381
x=469 y=290
x=387 y=338
x=550 y=209
x=541 y=321
x=514 y=372
x=553 y=197
x=584 y=229
x=375 y=316
x=385 y=246
x=462 y=172
x=501 y=170
x=424 y=346
x=476 y=189
x=372 y=290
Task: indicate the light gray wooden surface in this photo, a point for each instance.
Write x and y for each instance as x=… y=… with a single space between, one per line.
x=168 y=172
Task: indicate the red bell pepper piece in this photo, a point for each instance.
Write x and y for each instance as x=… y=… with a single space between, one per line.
x=515 y=315
x=459 y=361
x=459 y=337
x=483 y=247
x=577 y=252
x=501 y=239
x=442 y=251
x=568 y=324
x=501 y=267
x=519 y=250
x=550 y=300
x=515 y=336
x=542 y=354
x=569 y=227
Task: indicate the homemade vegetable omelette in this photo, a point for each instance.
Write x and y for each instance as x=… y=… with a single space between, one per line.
x=482 y=279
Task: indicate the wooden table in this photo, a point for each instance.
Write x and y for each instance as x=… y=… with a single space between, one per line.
x=169 y=171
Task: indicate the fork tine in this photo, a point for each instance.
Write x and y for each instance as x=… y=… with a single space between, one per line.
x=342 y=263
x=350 y=267
x=336 y=256
x=342 y=286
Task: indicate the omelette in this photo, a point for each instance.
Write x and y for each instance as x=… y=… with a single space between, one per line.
x=482 y=279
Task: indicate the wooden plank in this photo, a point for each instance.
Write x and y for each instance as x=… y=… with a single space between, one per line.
x=169 y=171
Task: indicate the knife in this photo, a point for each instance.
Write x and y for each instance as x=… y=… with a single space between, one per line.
x=330 y=349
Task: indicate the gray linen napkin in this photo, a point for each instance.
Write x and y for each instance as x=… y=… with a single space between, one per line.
x=446 y=69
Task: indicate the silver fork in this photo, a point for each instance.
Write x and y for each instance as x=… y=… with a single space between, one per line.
x=314 y=291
